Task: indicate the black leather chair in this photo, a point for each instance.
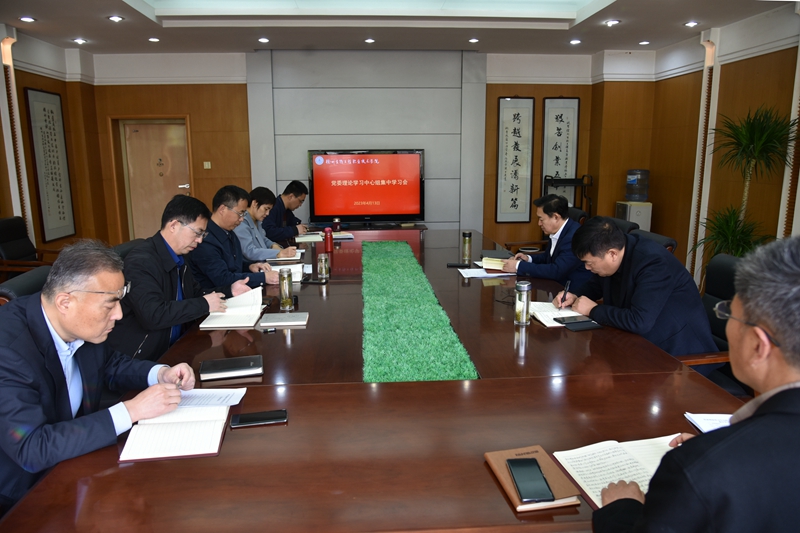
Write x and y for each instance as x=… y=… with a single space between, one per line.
x=578 y=215
x=625 y=225
x=17 y=252
x=125 y=247
x=667 y=242
x=26 y=283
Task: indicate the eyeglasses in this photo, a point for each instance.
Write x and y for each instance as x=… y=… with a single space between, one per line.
x=241 y=215
x=200 y=234
x=723 y=312
x=120 y=294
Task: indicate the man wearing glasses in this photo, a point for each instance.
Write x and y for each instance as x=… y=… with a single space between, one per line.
x=54 y=361
x=743 y=477
x=218 y=260
x=166 y=295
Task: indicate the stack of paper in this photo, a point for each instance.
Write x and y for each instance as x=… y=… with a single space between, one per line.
x=282 y=320
x=708 y=422
x=194 y=429
x=242 y=312
x=298 y=256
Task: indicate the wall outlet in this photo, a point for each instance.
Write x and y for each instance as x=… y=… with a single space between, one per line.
x=207 y=165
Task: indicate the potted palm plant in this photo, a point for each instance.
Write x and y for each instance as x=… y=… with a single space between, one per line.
x=755 y=146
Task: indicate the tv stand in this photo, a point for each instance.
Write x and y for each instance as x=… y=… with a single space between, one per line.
x=379 y=226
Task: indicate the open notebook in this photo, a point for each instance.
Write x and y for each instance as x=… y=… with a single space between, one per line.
x=242 y=312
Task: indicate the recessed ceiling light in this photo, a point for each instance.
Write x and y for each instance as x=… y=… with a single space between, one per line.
x=115 y=18
x=370 y=40
x=263 y=40
x=644 y=42
x=691 y=24
x=153 y=39
x=610 y=23
x=575 y=41
x=27 y=19
x=79 y=40
x=473 y=41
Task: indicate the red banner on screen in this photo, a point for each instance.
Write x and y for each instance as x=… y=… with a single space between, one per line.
x=366 y=184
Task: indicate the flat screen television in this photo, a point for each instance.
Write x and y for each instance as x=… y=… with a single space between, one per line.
x=366 y=185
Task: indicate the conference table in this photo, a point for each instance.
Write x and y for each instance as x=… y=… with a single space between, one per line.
x=402 y=456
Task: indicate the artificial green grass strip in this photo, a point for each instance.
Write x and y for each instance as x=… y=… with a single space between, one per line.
x=407 y=334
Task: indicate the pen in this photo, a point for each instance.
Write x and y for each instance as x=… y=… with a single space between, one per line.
x=564 y=295
x=179 y=383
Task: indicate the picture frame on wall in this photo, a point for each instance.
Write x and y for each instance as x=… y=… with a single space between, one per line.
x=50 y=164
x=560 y=145
x=514 y=159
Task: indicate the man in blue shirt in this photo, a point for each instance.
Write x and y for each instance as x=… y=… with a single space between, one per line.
x=218 y=260
x=54 y=361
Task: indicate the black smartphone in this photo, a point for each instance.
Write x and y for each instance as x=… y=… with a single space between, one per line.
x=529 y=480
x=308 y=281
x=263 y=418
x=571 y=319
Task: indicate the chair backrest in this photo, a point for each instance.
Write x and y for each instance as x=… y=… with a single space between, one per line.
x=625 y=225
x=14 y=241
x=720 y=273
x=125 y=247
x=26 y=283
x=578 y=215
x=667 y=242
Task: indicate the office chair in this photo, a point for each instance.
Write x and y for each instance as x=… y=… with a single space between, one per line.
x=17 y=252
x=123 y=249
x=667 y=242
x=625 y=225
x=578 y=215
x=24 y=284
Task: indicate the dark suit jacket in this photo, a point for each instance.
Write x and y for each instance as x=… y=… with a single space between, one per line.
x=562 y=266
x=37 y=430
x=742 y=478
x=658 y=300
x=280 y=224
x=151 y=309
x=218 y=260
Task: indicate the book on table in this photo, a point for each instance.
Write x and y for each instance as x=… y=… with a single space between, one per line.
x=194 y=429
x=545 y=312
x=308 y=237
x=231 y=367
x=492 y=263
x=593 y=467
x=242 y=312
x=298 y=256
x=564 y=491
x=282 y=320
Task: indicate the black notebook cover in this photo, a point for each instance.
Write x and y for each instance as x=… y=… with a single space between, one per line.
x=231 y=367
x=497 y=254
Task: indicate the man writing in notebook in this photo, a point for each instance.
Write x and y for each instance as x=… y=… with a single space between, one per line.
x=166 y=296
x=741 y=478
x=557 y=262
x=54 y=361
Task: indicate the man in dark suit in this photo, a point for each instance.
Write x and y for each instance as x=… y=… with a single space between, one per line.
x=645 y=290
x=54 y=361
x=557 y=262
x=218 y=260
x=164 y=294
x=741 y=478
x=280 y=224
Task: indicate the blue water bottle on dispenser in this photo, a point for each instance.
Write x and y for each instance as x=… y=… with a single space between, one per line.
x=637 y=184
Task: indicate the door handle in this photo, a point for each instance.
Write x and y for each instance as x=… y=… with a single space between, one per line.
x=183 y=186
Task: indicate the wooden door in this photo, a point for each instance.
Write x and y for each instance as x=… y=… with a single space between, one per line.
x=157 y=168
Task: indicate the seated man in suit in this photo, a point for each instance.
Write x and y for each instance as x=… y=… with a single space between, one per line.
x=280 y=224
x=164 y=294
x=741 y=478
x=54 y=361
x=645 y=290
x=218 y=260
x=255 y=246
x=557 y=262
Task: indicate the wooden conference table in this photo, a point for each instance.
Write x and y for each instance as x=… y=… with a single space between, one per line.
x=391 y=456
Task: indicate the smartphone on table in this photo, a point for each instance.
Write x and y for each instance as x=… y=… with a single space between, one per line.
x=529 y=480
x=572 y=319
x=262 y=418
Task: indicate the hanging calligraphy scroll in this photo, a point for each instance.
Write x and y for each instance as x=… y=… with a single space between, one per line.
x=50 y=164
x=560 y=144
x=514 y=159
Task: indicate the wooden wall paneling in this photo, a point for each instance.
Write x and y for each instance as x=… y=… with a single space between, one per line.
x=676 y=115
x=745 y=85
x=596 y=142
x=521 y=231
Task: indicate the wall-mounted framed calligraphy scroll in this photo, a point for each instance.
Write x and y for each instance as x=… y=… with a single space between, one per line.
x=560 y=144
x=514 y=159
x=50 y=164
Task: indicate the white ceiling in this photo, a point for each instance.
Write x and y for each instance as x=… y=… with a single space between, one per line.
x=502 y=26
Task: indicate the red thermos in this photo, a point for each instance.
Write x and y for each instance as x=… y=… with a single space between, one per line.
x=328 y=240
